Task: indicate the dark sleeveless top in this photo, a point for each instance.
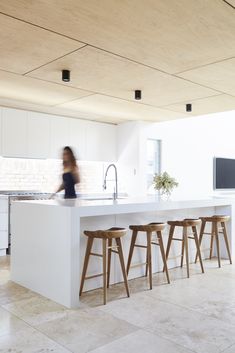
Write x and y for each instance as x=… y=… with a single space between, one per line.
x=69 y=186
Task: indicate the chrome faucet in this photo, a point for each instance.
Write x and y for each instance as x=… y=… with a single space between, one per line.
x=115 y=193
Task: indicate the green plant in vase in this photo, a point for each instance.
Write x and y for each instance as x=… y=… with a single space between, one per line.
x=164 y=183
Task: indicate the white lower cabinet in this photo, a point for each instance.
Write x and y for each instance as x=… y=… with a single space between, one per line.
x=3 y=226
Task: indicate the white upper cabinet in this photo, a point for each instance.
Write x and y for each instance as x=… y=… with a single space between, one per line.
x=59 y=135
x=14 y=132
x=39 y=129
x=77 y=137
x=0 y=131
x=101 y=142
x=37 y=135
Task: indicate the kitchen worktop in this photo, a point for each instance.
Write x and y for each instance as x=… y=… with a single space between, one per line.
x=99 y=207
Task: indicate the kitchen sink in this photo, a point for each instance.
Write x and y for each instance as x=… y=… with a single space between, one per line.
x=102 y=198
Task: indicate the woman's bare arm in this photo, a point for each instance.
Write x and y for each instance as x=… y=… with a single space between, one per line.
x=76 y=176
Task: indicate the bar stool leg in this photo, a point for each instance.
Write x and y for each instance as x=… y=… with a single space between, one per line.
x=185 y=238
x=171 y=233
x=182 y=254
x=133 y=240
x=202 y=230
x=198 y=247
x=226 y=240
x=86 y=260
x=109 y=260
x=146 y=269
x=149 y=252
x=104 y=241
x=121 y=257
x=212 y=239
x=160 y=241
x=217 y=242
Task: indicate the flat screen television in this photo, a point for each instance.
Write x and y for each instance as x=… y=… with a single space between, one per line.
x=224 y=173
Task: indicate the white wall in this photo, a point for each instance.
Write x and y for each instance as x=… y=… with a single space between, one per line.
x=188 y=148
x=131 y=151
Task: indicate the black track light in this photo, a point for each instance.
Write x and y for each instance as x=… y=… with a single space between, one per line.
x=188 y=107
x=138 y=94
x=65 y=75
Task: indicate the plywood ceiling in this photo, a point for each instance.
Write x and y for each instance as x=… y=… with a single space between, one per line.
x=176 y=52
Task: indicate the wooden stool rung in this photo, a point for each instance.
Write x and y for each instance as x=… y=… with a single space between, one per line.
x=140 y=246
x=113 y=247
x=155 y=243
x=95 y=254
x=174 y=257
x=138 y=265
x=177 y=239
x=115 y=251
x=93 y=276
x=191 y=238
x=207 y=233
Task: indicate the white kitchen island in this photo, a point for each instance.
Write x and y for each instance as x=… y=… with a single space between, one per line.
x=48 y=244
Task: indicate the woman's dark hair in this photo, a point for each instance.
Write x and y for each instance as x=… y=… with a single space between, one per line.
x=71 y=156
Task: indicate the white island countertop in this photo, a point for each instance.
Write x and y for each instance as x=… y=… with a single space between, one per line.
x=48 y=242
x=86 y=208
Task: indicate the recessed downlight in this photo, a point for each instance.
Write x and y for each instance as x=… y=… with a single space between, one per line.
x=65 y=75
x=138 y=94
x=188 y=107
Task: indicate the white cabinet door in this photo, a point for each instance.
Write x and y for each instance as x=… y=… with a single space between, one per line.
x=77 y=137
x=38 y=135
x=59 y=135
x=101 y=142
x=0 y=131
x=14 y=133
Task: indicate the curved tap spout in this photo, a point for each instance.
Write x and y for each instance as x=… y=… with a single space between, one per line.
x=115 y=194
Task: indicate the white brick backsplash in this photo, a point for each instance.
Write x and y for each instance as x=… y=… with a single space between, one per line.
x=45 y=175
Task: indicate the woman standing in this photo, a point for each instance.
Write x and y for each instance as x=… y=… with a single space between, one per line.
x=70 y=175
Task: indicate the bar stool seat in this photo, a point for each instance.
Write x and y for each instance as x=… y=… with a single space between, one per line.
x=215 y=221
x=185 y=224
x=148 y=229
x=107 y=237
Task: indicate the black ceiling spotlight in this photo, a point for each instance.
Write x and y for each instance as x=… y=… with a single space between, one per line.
x=65 y=75
x=188 y=107
x=138 y=94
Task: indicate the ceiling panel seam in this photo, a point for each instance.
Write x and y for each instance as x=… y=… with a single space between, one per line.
x=49 y=62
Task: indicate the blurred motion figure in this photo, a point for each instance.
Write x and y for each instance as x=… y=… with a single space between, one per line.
x=70 y=175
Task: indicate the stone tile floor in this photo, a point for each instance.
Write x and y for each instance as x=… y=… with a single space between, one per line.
x=189 y=315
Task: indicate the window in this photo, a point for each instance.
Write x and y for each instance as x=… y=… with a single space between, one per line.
x=153 y=161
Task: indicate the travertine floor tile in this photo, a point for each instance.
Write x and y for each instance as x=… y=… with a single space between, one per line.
x=193 y=330
x=36 y=310
x=29 y=341
x=140 y=342
x=10 y=292
x=10 y=324
x=86 y=329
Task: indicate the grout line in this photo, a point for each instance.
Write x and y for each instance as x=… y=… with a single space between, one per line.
x=30 y=326
x=169 y=340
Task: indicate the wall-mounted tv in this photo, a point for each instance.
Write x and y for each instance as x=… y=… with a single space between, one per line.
x=224 y=173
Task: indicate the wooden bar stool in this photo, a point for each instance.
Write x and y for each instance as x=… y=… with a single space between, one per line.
x=185 y=224
x=215 y=231
x=148 y=229
x=107 y=237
